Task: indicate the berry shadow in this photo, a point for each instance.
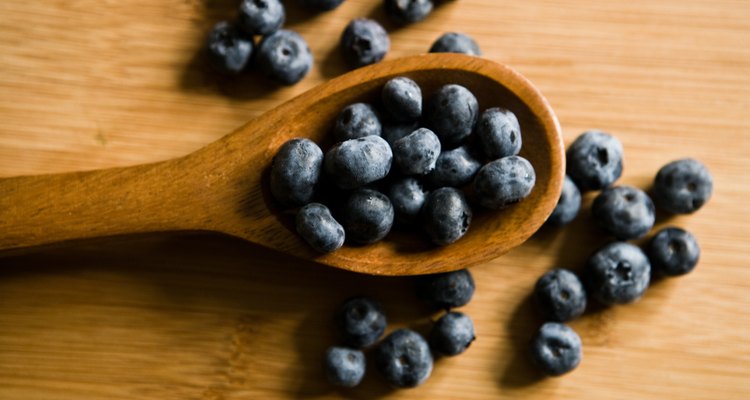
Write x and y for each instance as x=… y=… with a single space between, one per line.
x=520 y=372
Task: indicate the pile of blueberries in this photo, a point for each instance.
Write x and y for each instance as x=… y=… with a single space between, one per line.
x=284 y=56
x=405 y=165
x=404 y=357
x=619 y=272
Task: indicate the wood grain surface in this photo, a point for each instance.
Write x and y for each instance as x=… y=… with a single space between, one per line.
x=86 y=85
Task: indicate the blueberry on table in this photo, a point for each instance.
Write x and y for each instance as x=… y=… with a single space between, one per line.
x=567 y=206
x=228 y=50
x=404 y=359
x=402 y=98
x=499 y=132
x=343 y=366
x=503 y=182
x=556 y=349
x=284 y=56
x=356 y=162
x=364 y=42
x=673 y=252
x=395 y=130
x=360 y=321
x=451 y=113
x=624 y=211
x=295 y=172
x=318 y=228
x=682 y=186
x=594 y=160
x=456 y=168
x=408 y=11
x=367 y=216
x=560 y=296
x=452 y=334
x=446 y=290
x=355 y=121
x=261 y=17
x=407 y=197
x=456 y=42
x=618 y=273
x=417 y=152
x=321 y=5
x=446 y=215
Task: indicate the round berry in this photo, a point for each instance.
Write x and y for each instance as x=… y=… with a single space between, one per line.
x=228 y=50
x=673 y=252
x=402 y=98
x=284 y=56
x=446 y=215
x=624 y=211
x=355 y=121
x=417 y=152
x=447 y=289
x=408 y=11
x=261 y=17
x=456 y=42
x=568 y=205
x=556 y=349
x=367 y=216
x=499 y=133
x=560 y=296
x=360 y=321
x=295 y=172
x=594 y=160
x=407 y=197
x=364 y=42
x=404 y=359
x=318 y=228
x=356 y=162
x=456 y=168
x=451 y=113
x=344 y=367
x=503 y=182
x=394 y=130
x=618 y=273
x=452 y=334
x=682 y=186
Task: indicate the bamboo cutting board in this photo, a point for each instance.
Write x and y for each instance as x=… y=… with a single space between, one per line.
x=87 y=84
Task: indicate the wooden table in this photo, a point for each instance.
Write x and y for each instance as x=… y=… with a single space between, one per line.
x=90 y=84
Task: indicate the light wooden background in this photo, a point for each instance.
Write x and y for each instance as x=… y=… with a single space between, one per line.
x=91 y=84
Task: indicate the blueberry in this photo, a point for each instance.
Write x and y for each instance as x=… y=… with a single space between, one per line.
x=393 y=130
x=682 y=186
x=455 y=168
x=228 y=50
x=318 y=228
x=355 y=121
x=261 y=17
x=295 y=172
x=284 y=56
x=504 y=182
x=356 y=162
x=673 y=252
x=360 y=321
x=568 y=205
x=447 y=289
x=556 y=349
x=456 y=42
x=624 y=211
x=322 y=5
x=618 y=273
x=451 y=113
x=402 y=98
x=499 y=133
x=367 y=216
x=364 y=42
x=344 y=366
x=452 y=334
x=404 y=359
x=594 y=160
x=559 y=295
x=407 y=197
x=408 y=11
x=446 y=215
x=417 y=152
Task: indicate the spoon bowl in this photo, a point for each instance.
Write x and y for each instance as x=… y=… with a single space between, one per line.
x=224 y=186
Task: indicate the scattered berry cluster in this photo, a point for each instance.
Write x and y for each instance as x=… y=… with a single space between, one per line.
x=619 y=272
x=404 y=165
x=404 y=357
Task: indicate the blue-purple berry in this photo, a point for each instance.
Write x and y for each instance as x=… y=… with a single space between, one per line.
x=407 y=196
x=367 y=216
x=394 y=130
x=456 y=42
x=228 y=50
x=356 y=162
x=364 y=42
x=503 y=182
x=355 y=121
x=594 y=160
x=673 y=252
x=618 y=273
x=446 y=290
x=360 y=321
x=568 y=204
x=451 y=113
x=452 y=334
x=318 y=228
x=295 y=172
x=344 y=366
x=625 y=212
x=417 y=152
x=446 y=215
x=408 y=11
x=556 y=349
x=499 y=133
x=284 y=56
x=402 y=99
x=261 y=17
x=682 y=186
x=560 y=296
x=404 y=359
x=456 y=167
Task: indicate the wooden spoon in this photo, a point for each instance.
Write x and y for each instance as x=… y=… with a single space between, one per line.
x=223 y=187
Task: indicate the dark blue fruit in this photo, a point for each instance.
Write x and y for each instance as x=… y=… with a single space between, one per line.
x=594 y=160
x=673 y=252
x=322 y=5
x=360 y=321
x=356 y=162
x=364 y=42
x=618 y=273
x=567 y=206
x=355 y=121
x=456 y=168
x=261 y=17
x=499 y=133
x=393 y=130
x=503 y=182
x=451 y=113
x=402 y=98
x=417 y=152
x=452 y=334
x=446 y=290
x=318 y=228
x=624 y=211
x=682 y=186
x=456 y=42
x=344 y=366
x=559 y=295
x=407 y=197
x=295 y=172
x=446 y=215
x=284 y=56
x=367 y=216
x=228 y=50
x=556 y=349
x=408 y=11
x=404 y=359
